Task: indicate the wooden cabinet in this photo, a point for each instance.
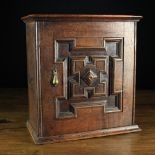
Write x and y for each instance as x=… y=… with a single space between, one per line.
x=81 y=76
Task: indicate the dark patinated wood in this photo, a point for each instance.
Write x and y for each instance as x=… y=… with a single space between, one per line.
x=91 y=58
x=79 y=17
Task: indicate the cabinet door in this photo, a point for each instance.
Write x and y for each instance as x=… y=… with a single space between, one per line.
x=94 y=67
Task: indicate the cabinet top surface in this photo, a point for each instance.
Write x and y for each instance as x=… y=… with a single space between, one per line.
x=79 y=17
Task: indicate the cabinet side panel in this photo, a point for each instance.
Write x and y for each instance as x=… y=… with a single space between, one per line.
x=129 y=67
x=32 y=75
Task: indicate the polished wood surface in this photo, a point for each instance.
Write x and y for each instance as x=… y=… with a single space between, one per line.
x=15 y=138
x=81 y=82
x=79 y=17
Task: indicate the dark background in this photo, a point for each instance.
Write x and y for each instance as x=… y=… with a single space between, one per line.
x=13 y=47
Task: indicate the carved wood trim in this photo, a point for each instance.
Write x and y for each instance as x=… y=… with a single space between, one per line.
x=89 y=76
x=62 y=58
x=116 y=71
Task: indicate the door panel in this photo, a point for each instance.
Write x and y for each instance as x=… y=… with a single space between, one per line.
x=95 y=78
x=91 y=76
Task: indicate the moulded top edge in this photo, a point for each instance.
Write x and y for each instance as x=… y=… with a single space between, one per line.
x=79 y=17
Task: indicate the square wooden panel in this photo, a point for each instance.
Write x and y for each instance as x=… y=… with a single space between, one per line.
x=81 y=80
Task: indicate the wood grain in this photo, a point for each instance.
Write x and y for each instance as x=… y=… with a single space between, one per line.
x=81 y=17
x=90 y=54
x=15 y=139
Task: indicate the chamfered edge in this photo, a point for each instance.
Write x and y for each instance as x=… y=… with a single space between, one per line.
x=82 y=135
x=79 y=17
